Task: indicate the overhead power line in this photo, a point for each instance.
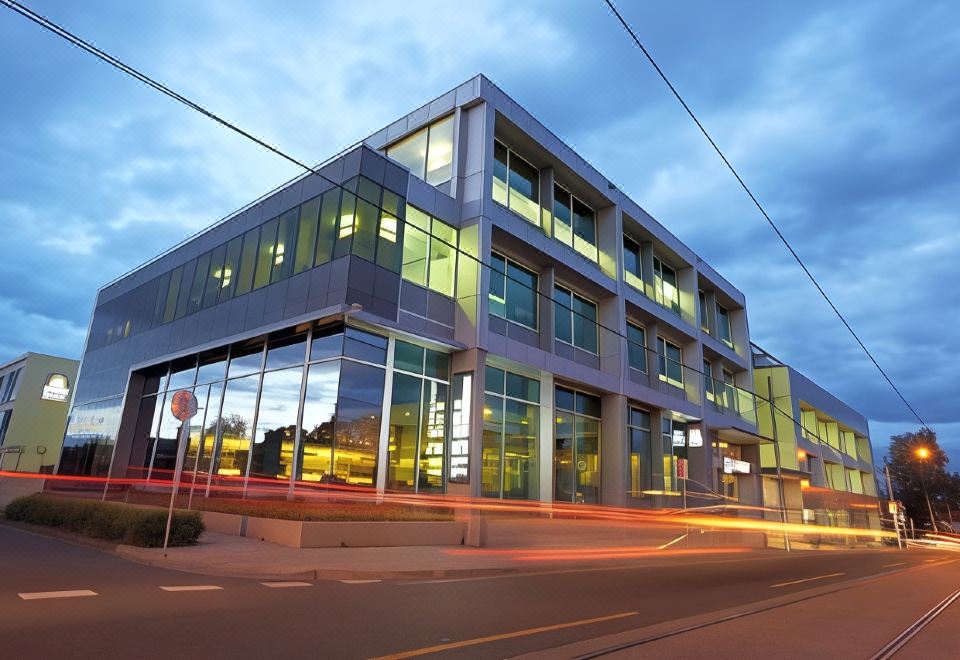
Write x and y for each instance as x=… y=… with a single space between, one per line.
x=756 y=202
x=140 y=76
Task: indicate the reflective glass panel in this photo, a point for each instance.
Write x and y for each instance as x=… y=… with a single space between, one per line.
x=286 y=352
x=236 y=426
x=521 y=421
x=440 y=152
x=268 y=239
x=327 y=233
x=408 y=357
x=272 y=452
x=327 y=343
x=214 y=274
x=443 y=258
x=411 y=152
x=286 y=240
x=492 y=445
x=230 y=273
x=521 y=305
x=498 y=285
x=245 y=360
x=500 y=173
x=306 y=235
x=365 y=346
x=359 y=407
x=404 y=419
x=437 y=365
x=433 y=436
x=248 y=261
x=319 y=410
x=636 y=347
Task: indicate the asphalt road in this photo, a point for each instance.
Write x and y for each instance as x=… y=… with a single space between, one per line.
x=135 y=613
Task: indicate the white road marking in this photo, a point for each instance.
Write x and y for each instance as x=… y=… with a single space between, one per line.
x=283 y=585
x=359 y=581
x=901 y=563
x=193 y=587
x=819 y=577
x=37 y=595
x=669 y=543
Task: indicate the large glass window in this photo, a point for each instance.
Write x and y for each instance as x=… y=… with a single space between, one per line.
x=666 y=289
x=319 y=414
x=513 y=291
x=516 y=184
x=286 y=243
x=357 y=432
x=577 y=451
x=430 y=252
x=428 y=153
x=329 y=221
x=272 y=453
x=708 y=385
x=671 y=362
x=418 y=419
x=248 y=261
x=702 y=302
x=673 y=436
x=575 y=320
x=214 y=277
x=236 y=426
x=574 y=223
x=511 y=425
x=632 y=264
x=641 y=473
x=637 y=347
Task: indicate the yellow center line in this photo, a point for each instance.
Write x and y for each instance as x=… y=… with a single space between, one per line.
x=494 y=638
x=819 y=577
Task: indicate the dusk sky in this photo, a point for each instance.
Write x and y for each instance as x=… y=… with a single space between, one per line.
x=844 y=118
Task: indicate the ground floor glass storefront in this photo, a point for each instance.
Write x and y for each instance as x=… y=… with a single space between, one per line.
x=305 y=405
x=577 y=455
x=511 y=423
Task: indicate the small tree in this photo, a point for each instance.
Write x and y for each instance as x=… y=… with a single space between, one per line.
x=908 y=472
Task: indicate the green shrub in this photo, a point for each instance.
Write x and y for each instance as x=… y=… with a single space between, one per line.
x=111 y=522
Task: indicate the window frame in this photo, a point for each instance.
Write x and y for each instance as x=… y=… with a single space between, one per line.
x=723 y=320
x=643 y=329
x=570 y=201
x=639 y=255
x=663 y=357
x=511 y=154
x=658 y=268
x=507 y=262
x=573 y=316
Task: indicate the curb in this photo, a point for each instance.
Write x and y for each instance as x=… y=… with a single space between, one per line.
x=133 y=554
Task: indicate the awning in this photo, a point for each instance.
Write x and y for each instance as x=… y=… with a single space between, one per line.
x=740 y=437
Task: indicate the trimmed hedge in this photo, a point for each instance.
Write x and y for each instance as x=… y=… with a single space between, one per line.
x=112 y=522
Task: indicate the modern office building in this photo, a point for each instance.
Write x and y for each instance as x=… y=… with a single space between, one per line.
x=460 y=304
x=34 y=400
x=825 y=456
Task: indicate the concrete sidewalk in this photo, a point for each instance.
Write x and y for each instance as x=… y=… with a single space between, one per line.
x=513 y=546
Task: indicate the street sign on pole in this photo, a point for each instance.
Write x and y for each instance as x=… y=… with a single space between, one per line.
x=184 y=407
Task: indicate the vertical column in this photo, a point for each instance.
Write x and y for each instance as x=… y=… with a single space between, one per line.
x=546 y=200
x=546 y=442
x=545 y=309
x=384 y=445
x=614 y=477
x=612 y=346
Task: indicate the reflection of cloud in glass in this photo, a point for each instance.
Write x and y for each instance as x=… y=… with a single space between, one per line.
x=279 y=401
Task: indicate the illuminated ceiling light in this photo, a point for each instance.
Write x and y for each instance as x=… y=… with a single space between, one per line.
x=278 y=255
x=804 y=483
x=346 y=225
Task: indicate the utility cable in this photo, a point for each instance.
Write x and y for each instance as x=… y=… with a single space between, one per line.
x=756 y=202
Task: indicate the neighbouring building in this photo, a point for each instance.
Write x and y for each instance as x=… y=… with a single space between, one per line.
x=825 y=456
x=460 y=303
x=34 y=399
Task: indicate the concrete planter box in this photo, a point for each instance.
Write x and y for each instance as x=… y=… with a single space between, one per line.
x=305 y=534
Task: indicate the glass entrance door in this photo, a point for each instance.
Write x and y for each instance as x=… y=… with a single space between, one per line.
x=576 y=457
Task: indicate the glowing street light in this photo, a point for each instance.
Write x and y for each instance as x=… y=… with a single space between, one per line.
x=923 y=454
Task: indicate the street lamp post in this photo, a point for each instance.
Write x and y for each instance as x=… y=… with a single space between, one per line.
x=923 y=453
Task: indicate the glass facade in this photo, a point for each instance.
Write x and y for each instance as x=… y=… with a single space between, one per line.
x=361 y=218
x=577 y=455
x=90 y=438
x=513 y=291
x=511 y=422
x=304 y=405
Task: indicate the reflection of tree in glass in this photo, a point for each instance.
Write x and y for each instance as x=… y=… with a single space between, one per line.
x=234 y=425
x=358 y=434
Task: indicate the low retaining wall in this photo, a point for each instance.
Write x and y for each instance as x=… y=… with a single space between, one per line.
x=307 y=534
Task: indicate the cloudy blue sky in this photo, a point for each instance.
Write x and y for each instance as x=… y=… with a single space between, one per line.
x=843 y=117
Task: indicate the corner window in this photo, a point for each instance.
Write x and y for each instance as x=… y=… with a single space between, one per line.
x=575 y=320
x=429 y=252
x=671 y=362
x=428 y=153
x=632 y=264
x=666 y=290
x=516 y=183
x=513 y=291
x=637 y=347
